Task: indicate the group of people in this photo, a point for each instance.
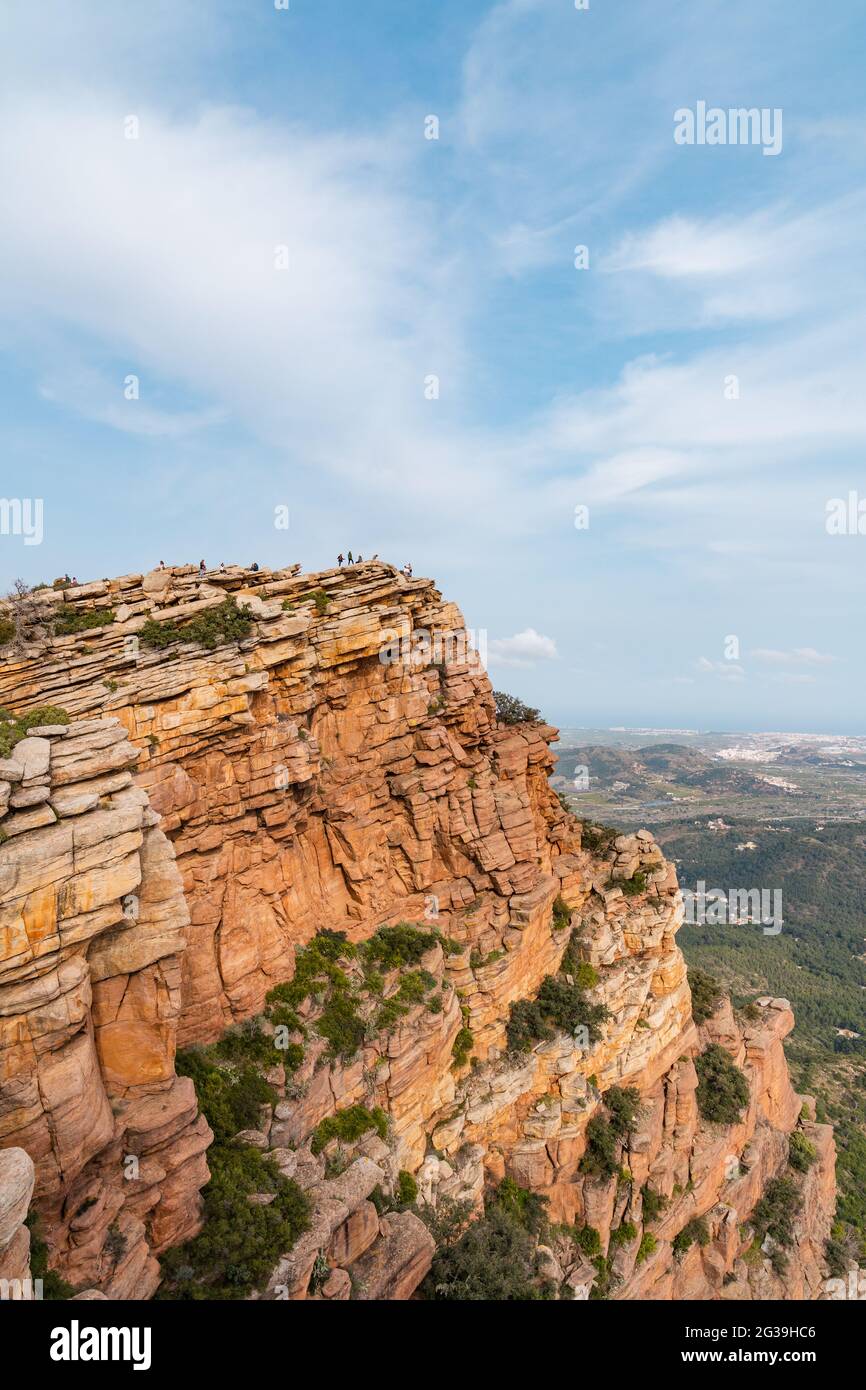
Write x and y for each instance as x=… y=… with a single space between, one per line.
x=359 y=560
x=341 y=560
x=349 y=559
x=202 y=567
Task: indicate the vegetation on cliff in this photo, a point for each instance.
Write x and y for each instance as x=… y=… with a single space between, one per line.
x=707 y=994
x=349 y=1125
x=510 y=710
x=54 y=1287
x=606 y=1132
x=560 y=1005
x=694 y=1232
x=69 y=619
x=13 y=728
x=241 y=1240
x=493 y=1257
x=225 y=623
x=817 y=962
x=723 y=1091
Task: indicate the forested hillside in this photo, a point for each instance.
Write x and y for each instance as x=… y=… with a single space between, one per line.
x=816 y=961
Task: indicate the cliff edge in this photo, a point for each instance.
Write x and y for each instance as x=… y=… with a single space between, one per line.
x=258 y=761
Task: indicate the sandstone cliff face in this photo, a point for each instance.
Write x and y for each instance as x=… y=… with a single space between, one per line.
x=17 y=1178
x=92 y=927
x=255 y=793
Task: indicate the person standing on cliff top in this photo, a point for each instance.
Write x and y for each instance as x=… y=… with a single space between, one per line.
x=351 y=561
x=202 y=567
x=340 y=559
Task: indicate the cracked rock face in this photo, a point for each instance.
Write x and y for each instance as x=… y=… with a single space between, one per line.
x=208 y=810
x=92 y=927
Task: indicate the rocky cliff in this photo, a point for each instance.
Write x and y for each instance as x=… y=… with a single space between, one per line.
x=331 y=760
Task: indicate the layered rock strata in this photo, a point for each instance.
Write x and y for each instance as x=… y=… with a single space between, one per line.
x=92 y=928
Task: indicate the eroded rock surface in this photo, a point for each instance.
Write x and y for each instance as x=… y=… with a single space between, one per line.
x=92 y=927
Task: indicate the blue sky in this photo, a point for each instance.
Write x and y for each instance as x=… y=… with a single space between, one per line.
x=410 y=258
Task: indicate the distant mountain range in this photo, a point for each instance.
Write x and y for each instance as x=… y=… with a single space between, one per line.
x=658 y=771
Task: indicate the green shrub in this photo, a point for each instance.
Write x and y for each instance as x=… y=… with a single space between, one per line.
x=407 y=1188
x=240 y=1242
x=493 y=1260
x=695 y=1231
x=13 y=729
x=623 y=1233
x=349 y=1125
x=510 y=710
x=707 y=994
x=282 y=996
x=631 y=887
x=230 y=1098
x=801 y=1153
x=723 y=1092
x=225 y=623
x=561 y=914
x=402 y=944
x=654 y=1203
x=246 y=1043
x=558 y=1007
x=597 y=839
x=7 y=631
x=527 y=1208
x=447 y=1221
x=588 y=1241
x=462 y=1046
x=604 y=1132
x=648 y=1245
x=478 y=962
x=315 y=596
x=622 y=1105
x=600 y=1157
x=342 y=1025
x=605 y=1280
x=412 y=990
x=586 y=976
x=837 y=1257
x=68 y=619
x=774 y=1213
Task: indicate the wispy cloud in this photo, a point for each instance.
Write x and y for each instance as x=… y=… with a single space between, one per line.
x=805 y=656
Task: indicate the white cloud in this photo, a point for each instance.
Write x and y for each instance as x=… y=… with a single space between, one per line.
x=724 y=670
x=682 y=248
x=523 y=649
x=162 y=252
x=806 y=656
